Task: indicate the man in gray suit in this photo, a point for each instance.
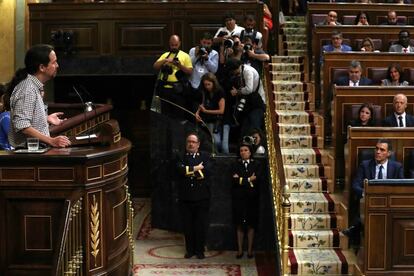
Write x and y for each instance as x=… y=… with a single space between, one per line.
x=403 y=45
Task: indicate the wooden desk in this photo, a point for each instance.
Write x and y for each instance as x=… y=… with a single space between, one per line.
x=368 y=61
x=66 y=207
x=389 y=223
x=362 y=138
x=321 y=33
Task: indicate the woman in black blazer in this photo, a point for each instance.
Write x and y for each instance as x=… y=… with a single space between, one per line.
x=246 y=184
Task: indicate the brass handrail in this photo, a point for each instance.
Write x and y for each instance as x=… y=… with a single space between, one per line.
x=281 y=203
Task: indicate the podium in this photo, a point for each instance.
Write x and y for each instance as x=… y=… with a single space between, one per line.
x=388 y=246
x=67 y=211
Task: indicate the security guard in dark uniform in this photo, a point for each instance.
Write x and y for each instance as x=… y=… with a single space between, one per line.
x=194 y=195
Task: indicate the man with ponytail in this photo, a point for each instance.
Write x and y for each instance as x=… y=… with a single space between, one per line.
x=27 y=110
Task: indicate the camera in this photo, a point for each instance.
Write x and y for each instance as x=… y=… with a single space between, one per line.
x=249 y=140
x=247 y=47
x=202 y=51
x=166 y=70
x=222 y=33
x=240 y=106
x=228 y=43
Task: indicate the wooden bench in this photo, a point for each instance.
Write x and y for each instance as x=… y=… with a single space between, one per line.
x=374 y=65
x=346 y=97
x=365 y=138
x=387 y=34
x=375 y=11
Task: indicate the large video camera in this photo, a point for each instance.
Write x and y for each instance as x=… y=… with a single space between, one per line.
x=249 y=140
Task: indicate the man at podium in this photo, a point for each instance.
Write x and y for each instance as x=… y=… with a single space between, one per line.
x=28 y=115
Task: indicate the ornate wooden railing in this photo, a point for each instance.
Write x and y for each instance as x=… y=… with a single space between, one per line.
x=281 y=202
x=70 y=254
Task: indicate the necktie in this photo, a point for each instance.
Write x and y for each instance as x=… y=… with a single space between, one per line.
x=405 y=50
x=380 y=172
x=354 y=84
x=400 y=121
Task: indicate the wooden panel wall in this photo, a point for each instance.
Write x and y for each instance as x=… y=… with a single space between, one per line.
x=133 y=28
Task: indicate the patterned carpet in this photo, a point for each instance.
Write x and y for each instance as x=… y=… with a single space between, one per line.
x=160 y=252
x=314 y=237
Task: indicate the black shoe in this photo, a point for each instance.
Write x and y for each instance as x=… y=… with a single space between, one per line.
x=250 y=256
x=239 y=256
x=200 y=256
x=188 y=255
x=350 y=232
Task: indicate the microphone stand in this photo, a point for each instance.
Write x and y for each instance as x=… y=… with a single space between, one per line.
x=213 y=148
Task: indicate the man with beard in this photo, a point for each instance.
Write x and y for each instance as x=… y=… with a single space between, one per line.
x=174 y=69
x=205 y=60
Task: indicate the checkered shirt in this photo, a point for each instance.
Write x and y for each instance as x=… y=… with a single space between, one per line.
x=27 y=110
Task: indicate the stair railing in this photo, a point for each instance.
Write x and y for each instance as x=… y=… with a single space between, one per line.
x=69 y=257
x=281 y=203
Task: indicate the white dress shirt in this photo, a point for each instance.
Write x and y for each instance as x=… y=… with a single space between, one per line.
x=384 y=170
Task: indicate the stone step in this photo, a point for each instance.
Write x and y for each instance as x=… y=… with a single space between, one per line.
x=295 y=37
x=290 y=31
x=300 y=156
x=289 y=96
x=286 y=59
x=286 y=76
x=286 y=67
x=294 y=24
x=311 y=203
x=315 y=261
x=313 y=221
x=303 y=171
x=304 y=185
x=285 y=105
x=295 y=45
x=292 y=117
x=287 y=86
x=315 y=238
x=294 y=18
x=295 y=129
x=293 y=52
x=297 y=141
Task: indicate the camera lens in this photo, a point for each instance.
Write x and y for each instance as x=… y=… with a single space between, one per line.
x=228 y=43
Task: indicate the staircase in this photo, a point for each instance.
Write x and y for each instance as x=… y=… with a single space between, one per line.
x=316 y=215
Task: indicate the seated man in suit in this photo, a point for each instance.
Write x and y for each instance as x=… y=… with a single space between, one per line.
x=403 y=44
x=336 y=45
x=331 y=19
x=399 y=118
x=354 y=76
x=380 y=167
x=392 y=19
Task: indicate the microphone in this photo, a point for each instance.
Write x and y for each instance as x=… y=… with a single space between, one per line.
x=86 y=107
x=89 y=104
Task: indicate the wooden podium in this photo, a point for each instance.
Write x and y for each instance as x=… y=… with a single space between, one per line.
x=66 y=211
x=389 y=227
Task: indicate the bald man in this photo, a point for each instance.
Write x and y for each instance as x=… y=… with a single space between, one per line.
x=399 y=118
x=175 y=68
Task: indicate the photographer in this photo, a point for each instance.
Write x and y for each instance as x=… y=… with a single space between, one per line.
x=249 y=30
x=205 y=60
x=253 y=55
x=175 y=67
x=256 y=140
x=248 y=90
x=230 y=29
x=211 y=109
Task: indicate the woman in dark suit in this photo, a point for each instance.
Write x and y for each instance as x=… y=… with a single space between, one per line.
x=365 y=116
x=246 y=185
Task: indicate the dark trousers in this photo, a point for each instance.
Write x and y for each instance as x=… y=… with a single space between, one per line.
x=195 y=218
x=253 y=119
x=172 y=95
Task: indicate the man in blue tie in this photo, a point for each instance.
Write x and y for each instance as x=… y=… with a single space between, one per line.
x=380 y=167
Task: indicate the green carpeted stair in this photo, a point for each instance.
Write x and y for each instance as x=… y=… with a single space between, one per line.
x=316 y=217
